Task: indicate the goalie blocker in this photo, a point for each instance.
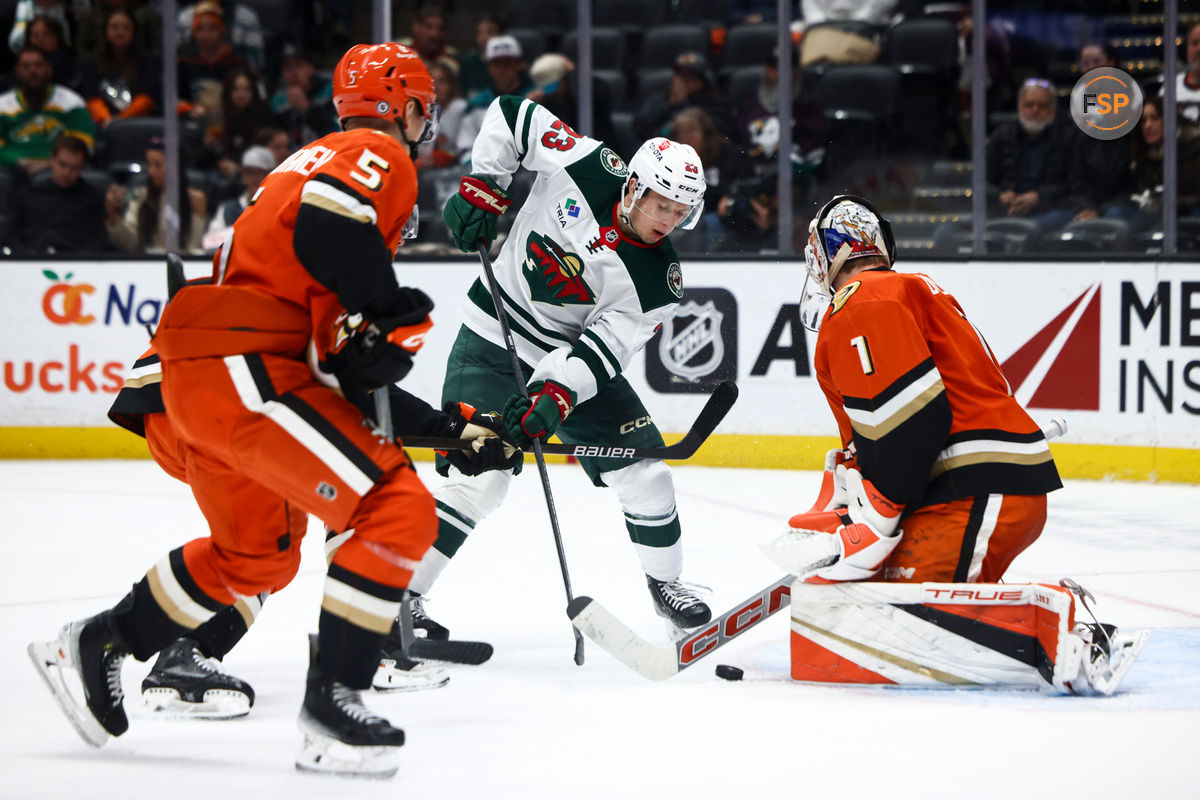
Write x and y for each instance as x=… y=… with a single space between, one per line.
x=954 y=635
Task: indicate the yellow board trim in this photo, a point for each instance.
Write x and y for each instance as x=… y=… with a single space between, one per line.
x=1085 y=461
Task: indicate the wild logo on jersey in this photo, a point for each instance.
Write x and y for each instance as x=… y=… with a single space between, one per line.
x=554 y=275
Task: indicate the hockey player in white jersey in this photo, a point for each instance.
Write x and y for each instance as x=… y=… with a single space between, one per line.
x=586 y=276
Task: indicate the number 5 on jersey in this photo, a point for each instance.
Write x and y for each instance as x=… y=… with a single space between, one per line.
x=369 y=177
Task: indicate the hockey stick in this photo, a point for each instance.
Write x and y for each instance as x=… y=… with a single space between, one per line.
x=714 y=411
x=453 y=651
x=519 y=374
x=458 y=652
x=660 y=661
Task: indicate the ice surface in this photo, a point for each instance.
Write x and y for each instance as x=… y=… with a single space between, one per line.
x=530 y=724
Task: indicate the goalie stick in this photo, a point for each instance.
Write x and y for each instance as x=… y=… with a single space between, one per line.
x=660 y=661
x=718 y=405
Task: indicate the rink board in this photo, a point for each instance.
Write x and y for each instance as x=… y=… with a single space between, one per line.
x=1113 y=347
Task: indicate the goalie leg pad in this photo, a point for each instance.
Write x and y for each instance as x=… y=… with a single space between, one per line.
x=949 y=635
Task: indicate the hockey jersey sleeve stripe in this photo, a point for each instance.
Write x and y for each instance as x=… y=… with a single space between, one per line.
x=329 y=194
x=990 y=452
x=593 y=362
x=480 y=296
x=593 y=340
x=513 y=307
x=876 y=421
x=526 y=123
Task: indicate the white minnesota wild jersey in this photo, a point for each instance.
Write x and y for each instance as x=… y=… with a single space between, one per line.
x=581 y=297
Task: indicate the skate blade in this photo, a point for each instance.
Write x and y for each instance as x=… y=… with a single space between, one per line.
x=1128 y=654
x=321 y=754
x=51 y=659
x=166 y=703
x=424 y=676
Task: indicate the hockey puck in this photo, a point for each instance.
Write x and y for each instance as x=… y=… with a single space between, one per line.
x=729 y=673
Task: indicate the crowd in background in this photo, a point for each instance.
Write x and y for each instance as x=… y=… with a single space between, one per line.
x=880 y=100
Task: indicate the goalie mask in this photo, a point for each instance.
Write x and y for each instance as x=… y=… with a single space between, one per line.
x=671 y=169
x=846 y=228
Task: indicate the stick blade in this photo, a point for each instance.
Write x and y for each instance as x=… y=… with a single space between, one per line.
x=656 y=662
x=451 y=651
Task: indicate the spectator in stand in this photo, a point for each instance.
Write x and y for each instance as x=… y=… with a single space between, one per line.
x=506 y=67
x=757 y=122
x=1187 y=85
x=429 y=36
x=243 y=114
x=257 y=163
x=442 y=152
x=1143 y=208
x=553 y=76
x=473 y=75
x=723 y=168
x=1102 y=174
x=692 y=84
x=303 y=104
x=143 y=228
x=58 y=212
x=121 y=81
x=27 y=10
x=91 y=25
x=1029 y=160
x=35 y=113
x=275 y=140
x=245 y=31
x=205 y=63
x=48 y=34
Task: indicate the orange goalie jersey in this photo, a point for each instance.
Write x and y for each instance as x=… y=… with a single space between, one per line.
x=280 y=303
x=915 y=387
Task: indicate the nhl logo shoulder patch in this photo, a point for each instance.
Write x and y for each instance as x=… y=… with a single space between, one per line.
x=675 y=279
x=613 y=162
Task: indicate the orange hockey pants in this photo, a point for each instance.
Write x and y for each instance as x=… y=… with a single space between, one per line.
x=262 y=444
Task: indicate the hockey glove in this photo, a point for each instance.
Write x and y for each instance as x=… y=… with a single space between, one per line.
x=867 y=505
x=491 y=446
x=368 y=354
x=833 y=486
x=472 y=214
x=828 y=547
x=540 y=414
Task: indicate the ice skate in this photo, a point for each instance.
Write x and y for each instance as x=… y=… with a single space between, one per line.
x=1108 y=655
x=399 y=673
x=186 y=684
x=341 y=735
x=679 y=605
x=82 y=668
x=423 y=625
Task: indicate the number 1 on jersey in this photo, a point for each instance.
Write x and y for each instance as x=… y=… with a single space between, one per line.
x=859 y=343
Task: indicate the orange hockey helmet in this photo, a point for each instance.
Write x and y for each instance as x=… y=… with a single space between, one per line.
x=377 y=80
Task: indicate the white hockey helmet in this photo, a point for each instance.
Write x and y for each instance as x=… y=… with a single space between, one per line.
x=673 y=170
x=846 y=228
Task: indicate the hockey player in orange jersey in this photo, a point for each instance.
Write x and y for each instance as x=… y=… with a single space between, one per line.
x=302 y=286
x=941 y=478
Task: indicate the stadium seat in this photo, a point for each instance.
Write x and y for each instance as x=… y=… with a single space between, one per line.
x=98 y=179
x=924 y=46
x=652 y=82
x=699 y=12
x=532 y=41
x=867 y=92
x=126 y=141
x=1090 y=236
x=925 y=53
x=749 y=45
x=627 y=138
x=612 y=83
x=660 y=46
x=552 y=16
x=742 y=84
x=1012 y=234
x=629 y=14
x=608 y=48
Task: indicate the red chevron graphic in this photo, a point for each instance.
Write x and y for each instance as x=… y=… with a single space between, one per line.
x=1073 y=378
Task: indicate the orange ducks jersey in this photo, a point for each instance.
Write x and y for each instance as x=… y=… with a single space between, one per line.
x=915 y=387
x=315 y=241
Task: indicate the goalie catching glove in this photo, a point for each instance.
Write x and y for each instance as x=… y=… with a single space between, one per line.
x=846 y=544
x=491 y=445
x=540 y=414
x=370 y=353
x=473 y=213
